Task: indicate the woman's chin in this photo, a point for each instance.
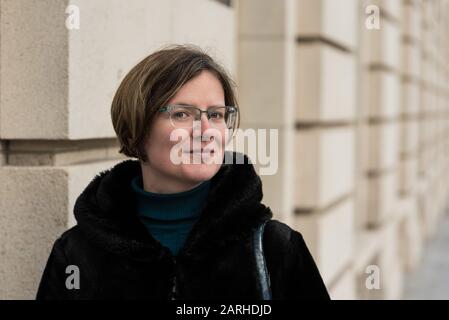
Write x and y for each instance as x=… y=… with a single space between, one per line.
x=199 y=172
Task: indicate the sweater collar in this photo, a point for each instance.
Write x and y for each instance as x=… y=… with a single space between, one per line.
x=170 y=206
x=106 y=211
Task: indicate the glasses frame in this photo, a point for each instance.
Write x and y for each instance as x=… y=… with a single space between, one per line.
x=169 y=108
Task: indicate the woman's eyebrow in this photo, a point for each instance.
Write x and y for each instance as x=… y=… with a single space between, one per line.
x=188 y=104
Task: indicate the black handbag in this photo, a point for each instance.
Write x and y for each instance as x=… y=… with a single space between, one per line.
x=261 y=265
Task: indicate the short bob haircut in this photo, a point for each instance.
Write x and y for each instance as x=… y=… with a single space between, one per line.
x=151 y=84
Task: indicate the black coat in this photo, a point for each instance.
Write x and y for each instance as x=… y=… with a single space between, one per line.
x=117 y=258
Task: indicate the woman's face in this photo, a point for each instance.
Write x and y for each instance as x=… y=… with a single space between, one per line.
x=162 y=173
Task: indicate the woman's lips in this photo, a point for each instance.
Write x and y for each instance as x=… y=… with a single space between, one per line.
x=201 y=151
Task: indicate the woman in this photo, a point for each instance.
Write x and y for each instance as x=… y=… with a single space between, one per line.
x=165 y=226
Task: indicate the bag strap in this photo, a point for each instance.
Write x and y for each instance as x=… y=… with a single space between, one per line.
x=261 y=266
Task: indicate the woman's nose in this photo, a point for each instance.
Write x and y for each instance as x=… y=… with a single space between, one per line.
x=203 y=122
x=205 y=125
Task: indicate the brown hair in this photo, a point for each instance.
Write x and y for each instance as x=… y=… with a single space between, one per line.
x=151 y=84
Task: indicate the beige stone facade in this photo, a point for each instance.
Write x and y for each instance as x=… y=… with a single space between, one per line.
x=362 y=116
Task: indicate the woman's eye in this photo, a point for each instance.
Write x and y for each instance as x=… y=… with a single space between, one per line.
x=181 y=115
x=216 y=115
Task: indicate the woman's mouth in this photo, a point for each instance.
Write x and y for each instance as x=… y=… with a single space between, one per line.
x=202 y=151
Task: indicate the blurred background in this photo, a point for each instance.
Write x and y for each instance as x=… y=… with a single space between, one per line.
x=357 y=89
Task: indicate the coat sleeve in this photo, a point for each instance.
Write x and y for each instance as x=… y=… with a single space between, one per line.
x=52 y=284
x=307 y=282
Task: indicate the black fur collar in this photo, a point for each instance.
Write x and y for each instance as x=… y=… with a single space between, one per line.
x=107 y=215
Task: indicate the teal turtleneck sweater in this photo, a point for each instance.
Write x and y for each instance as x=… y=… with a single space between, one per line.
x=170 y=217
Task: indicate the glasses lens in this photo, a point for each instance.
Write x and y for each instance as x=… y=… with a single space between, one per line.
x=217 y=117
x=182 y=117
x=222 y=117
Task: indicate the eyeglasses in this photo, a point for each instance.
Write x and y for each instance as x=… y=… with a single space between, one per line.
x=183 y=116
